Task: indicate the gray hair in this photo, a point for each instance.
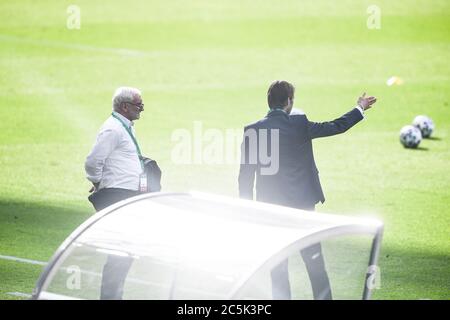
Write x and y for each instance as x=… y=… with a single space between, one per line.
x=124 y=94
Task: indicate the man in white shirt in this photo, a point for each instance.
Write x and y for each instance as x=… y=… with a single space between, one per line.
x=114 y=168
x=113 y=165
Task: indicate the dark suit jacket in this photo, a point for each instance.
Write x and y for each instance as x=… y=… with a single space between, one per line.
x=296 y=184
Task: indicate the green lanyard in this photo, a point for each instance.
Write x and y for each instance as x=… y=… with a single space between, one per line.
x=132 y=138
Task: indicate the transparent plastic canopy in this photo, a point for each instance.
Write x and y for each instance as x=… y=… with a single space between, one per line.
x=200 y=246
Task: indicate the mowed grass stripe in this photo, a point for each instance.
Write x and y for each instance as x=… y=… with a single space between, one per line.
x=212 y=62
x=257 y=33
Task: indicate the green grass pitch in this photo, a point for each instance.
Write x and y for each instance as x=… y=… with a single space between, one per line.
x=212 y=61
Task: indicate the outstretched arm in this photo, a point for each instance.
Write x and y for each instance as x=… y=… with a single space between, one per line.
x=342 y=124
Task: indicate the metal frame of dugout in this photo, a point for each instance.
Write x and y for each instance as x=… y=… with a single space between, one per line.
x=197 y=246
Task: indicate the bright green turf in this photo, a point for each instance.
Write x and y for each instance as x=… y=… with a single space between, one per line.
x=212 y=61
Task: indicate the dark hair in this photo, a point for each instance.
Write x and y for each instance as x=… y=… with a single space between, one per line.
x=278 y=94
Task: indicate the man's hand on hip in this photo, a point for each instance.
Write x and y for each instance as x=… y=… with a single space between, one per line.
x=94 y=187
x=366 y=102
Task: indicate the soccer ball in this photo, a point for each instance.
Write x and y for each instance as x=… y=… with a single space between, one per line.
x=425 y=125
x=410 y=136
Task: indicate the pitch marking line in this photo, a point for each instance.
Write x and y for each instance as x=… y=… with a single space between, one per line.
x=41 y=263
x=29 y=261
x=19 y=294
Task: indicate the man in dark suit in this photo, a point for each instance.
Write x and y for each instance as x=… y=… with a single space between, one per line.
x=278 y=151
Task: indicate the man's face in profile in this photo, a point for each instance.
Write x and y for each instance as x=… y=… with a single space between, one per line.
x=134 y=108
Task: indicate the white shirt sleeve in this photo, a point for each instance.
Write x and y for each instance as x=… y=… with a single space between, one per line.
x=107 y=141
x=360 y=110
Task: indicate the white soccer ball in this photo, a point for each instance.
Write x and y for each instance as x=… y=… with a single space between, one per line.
x=425 y=125
x=410 y=136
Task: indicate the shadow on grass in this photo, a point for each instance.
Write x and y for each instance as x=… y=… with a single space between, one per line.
x=34 y=230
x=418 y=149
x=434 y=138
x=413 y=274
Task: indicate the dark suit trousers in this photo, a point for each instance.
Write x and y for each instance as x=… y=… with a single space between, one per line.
x=108 y=196
x=315 y=266
x=116 y=268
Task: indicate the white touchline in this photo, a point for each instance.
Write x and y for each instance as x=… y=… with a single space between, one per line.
x=41 y=263
x=19 y=294
x=17 y=259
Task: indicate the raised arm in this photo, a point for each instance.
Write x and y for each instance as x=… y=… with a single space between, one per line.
x=342 y=124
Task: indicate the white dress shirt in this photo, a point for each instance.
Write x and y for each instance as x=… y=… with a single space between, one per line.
x=113 y=161
x=360 y=110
